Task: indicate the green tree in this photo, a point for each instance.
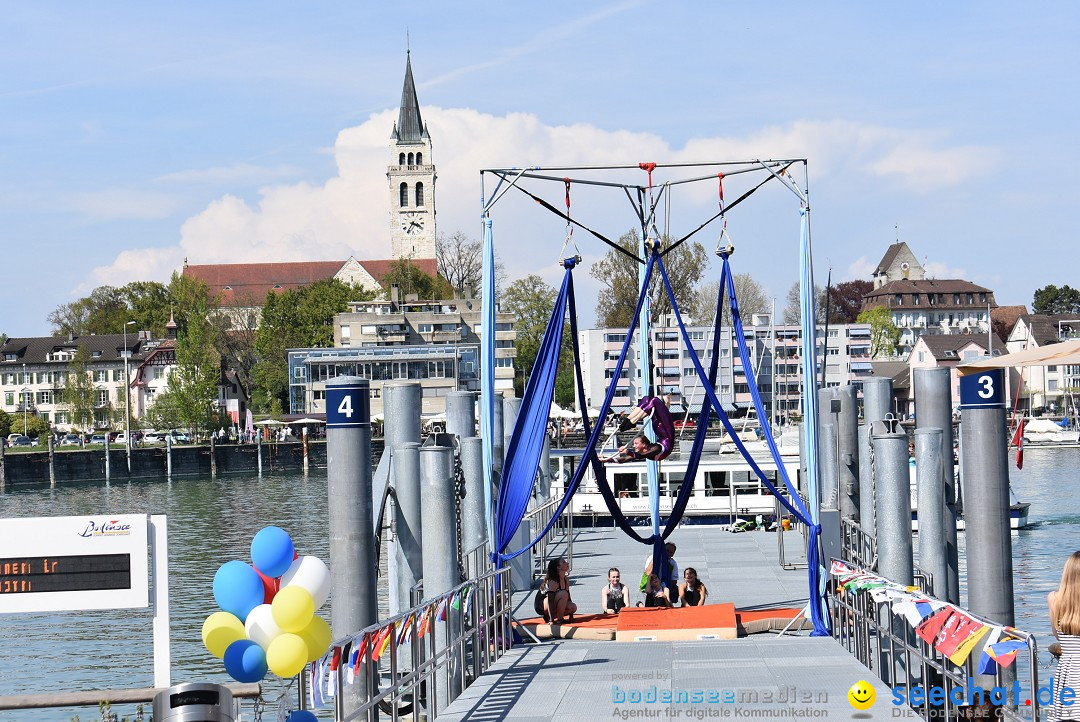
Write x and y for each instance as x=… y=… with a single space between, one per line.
x=884 y=335
x=411 y=279
x=5 y=425
x=531 y=301
x=1053 y=300
x=298 y=318
x=35 y=427
x=165 y=412
x=618 y=275
x=79 y=395
x=195 y=379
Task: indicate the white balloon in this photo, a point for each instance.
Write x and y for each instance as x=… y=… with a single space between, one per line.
x=309 y=573
x=261 y=627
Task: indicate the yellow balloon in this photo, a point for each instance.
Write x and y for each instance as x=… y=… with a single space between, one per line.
x=220 y=630
x=292 y=608
x=317 y=637
x=286 y=655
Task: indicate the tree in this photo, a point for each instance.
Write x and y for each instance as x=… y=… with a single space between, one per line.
x=793 y=309
x=750 y=294
x=298 y=318
x=194 y=381
x=5 y=425
x=845 y=300
x=107 y=309
x=618 y=275
x=1053 y=300
x=80 y=397
x=884 y=335
x=531 y=301
x=165 y=412
x=35 y=427
x=410 y=279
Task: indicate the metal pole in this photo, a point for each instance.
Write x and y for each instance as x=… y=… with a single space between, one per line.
x=933 y=404
x=461 y=413
x=497 y=429
x=931 y=512
x=847 y=429
x=352 y=555
x=168 y=456
x=877 y=403
x=127 y=401
x=258 y=450
x=401 y=427
x=986 y=511
x=213 y=457
x=440 y=550
x=828 y=447
x=521 y=567
x=3 y=465
x=108 y=467
x=473 y=528
x=303 y=440
x=894 y=547
x=52 y=463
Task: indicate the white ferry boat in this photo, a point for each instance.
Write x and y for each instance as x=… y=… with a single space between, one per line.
x=725 y=487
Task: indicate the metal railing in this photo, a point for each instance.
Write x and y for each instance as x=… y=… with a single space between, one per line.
x=796 y=525
x=538 y=518
x=888 y=646
x=475 y=635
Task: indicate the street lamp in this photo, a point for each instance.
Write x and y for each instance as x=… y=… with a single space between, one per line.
x=127 y=400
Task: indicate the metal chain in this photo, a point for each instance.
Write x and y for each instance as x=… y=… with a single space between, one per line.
x=459 y=478
x=873 y=489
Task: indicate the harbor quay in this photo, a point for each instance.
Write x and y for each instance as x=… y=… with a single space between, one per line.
x=763 y=676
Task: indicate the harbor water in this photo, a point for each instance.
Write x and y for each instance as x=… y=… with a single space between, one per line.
x=212 y=521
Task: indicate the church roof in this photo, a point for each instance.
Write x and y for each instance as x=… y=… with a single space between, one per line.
x=889 y=257
x=246 y=284
x=410 y=126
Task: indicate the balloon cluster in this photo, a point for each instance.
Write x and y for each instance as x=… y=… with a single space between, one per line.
x=267 y=618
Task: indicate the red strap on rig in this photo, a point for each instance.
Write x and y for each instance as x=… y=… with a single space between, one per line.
x=567 y=182
x=720 y=181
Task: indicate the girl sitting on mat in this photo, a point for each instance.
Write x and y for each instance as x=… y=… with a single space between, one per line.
x=552 y=601
x=613 y=595
x=692 y=591
x=656 y=593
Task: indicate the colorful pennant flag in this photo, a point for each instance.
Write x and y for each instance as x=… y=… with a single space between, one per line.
x=441 y=613
x=928 y=628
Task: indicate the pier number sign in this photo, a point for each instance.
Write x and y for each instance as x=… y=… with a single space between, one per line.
x=983 y=390
x=74 y=563
x=348 y=405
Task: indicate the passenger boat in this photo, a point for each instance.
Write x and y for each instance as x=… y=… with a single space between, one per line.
x=725 y=490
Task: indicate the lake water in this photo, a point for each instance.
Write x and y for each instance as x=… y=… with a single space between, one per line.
x=212 y=521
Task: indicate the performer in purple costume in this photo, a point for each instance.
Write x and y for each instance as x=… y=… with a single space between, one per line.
x=662 y=425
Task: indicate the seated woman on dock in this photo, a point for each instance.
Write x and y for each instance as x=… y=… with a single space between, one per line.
x=552 y=601
x=692 y=592
x=613 y=595
x=656 y=593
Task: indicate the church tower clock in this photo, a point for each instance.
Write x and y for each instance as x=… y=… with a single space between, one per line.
x=412 y=179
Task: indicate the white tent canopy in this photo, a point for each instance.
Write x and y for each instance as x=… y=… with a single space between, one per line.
x=307 y=421
x=269 y=422
x=558 y=412
x=1064 y=353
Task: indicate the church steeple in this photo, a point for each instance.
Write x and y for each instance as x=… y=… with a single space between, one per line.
x=410 y=126
x=411 y=176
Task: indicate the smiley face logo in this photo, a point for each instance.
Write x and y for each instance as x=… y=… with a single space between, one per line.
x=862 y=695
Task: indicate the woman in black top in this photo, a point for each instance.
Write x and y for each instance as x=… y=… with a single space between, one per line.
x=613 y=595
x=552 y=600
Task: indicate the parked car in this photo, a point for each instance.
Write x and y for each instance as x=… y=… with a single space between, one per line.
x=71 y=440
x=97 y=439
x=21 y=440
x=154 y=437
x=10 y=441
x=180 y=437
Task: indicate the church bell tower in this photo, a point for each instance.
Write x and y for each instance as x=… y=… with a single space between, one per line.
x=412 y=179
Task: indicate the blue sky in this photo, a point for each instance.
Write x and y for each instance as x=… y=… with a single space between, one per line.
x=135 y=135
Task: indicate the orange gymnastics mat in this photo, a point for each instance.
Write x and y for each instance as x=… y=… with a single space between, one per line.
x=710 y=622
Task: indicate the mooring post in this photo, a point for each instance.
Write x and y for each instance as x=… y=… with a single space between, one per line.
x=440 y=551
x=473 y=523
x=986 y=496
x=168 y=456
x=461 y=414
x=258 y=450
x=52 y=463
x=3 y=465
x=213 y=457
x=498 y=426
x=303 y=440
x=108 y=465
x=933 y=410
x=847 y=429
x=827 y=447
x=354 y=605
x=401 y=428
x=877 y=404
x=521 y=567
x=895 y=553
x=931 y=513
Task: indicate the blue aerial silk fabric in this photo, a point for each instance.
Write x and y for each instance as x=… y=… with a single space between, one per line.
x=487 y=376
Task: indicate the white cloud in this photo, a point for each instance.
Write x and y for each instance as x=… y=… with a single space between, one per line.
x=144 y=264
x=861 y=269
x=937 y=269
x=349 y=213
x=240 y=173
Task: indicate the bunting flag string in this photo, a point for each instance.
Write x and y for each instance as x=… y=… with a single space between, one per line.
x=951 y=631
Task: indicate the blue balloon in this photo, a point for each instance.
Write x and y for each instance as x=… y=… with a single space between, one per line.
x=301 y=715
x=245 y=661
x=237 y=588
x=272 y=551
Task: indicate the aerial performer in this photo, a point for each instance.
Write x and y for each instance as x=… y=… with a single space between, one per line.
x=640 y=447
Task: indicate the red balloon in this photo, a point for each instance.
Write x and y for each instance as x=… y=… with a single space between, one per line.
x=270 y=587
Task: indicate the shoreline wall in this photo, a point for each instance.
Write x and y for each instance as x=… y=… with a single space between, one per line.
x=150 y=462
